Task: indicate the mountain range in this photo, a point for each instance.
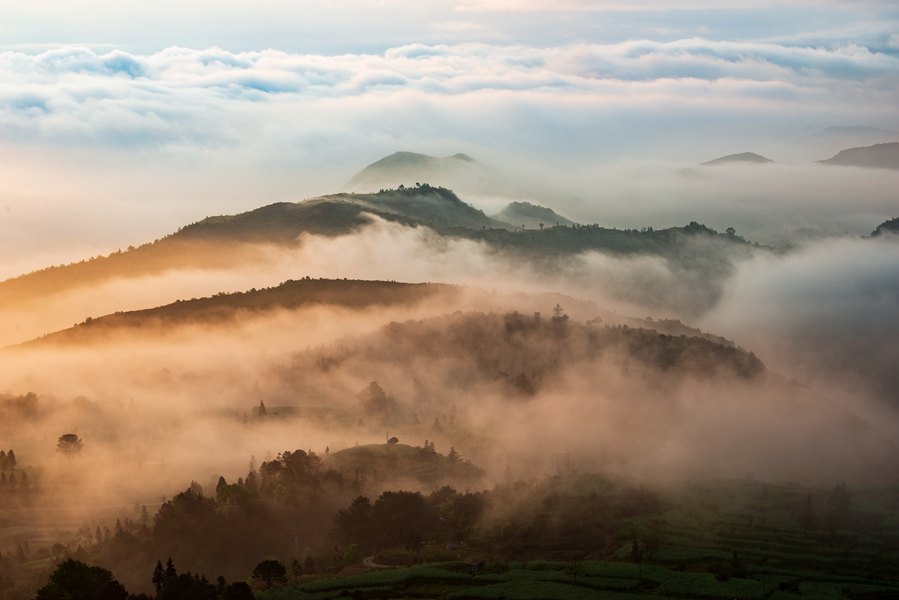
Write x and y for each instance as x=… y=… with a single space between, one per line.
x=225 y=242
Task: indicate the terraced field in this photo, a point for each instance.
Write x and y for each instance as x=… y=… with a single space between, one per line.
x=743 y=541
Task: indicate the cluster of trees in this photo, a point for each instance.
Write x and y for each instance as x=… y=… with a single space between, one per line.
x=76 y=580
x=289 y=508
x=831 y=512
x=405 y=519
x=376 y=403
x=288 y=500
x=25 y=406
x=568 y=517
x=7 y=461
x=16 y=489
x=525 y=352
x=414 y=189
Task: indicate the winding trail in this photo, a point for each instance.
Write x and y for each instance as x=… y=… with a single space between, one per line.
x=369 y=561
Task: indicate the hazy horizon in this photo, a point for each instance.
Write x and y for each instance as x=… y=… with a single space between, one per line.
x=116 y=131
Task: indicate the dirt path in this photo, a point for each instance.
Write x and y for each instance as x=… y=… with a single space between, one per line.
x=369 y=561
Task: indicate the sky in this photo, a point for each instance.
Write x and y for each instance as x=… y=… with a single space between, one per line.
x=121 y=121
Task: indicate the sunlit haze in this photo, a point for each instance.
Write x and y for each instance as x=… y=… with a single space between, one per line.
x=576 y=297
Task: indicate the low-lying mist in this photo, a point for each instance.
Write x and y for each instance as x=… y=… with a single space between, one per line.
x=511 y=391
x=825 y=314
x=161 y=404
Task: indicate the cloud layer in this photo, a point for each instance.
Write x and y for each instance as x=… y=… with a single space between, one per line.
x=563 y=97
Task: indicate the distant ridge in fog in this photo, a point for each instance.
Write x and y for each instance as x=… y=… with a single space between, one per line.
x=338 y=214
x=878 y=156
x=531 y=215
x=742 y=157
x=891 y=226
x=853 y=135
x=405 y=168
x=223 y=308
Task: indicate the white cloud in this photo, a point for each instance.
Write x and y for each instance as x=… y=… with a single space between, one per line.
x=180 y=95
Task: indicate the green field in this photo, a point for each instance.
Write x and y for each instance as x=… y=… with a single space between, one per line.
x=592 y=579
x=734 y=540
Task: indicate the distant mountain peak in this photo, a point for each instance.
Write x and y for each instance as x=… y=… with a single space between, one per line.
x=742 y=157
x=405 y=167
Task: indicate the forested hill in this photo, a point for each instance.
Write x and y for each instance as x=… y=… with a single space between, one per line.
x=223 y=307
x=227 y=242
x=224 y=242
x=524 y=354
x=342 y=213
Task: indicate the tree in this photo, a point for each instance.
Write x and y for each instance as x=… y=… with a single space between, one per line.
x=158 y=576
x=239 y=590
x=397 y=514
x=170 y=569
x=296 y=569
x=309 y=564
x=376 y=402
x=559 y=319
x=11 y=460
x=75 y=580
x=69 y=444
x=356 y=523
x=269 y=573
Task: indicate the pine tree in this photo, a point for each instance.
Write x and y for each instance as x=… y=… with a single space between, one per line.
x=170 y=569
x=158 y=576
